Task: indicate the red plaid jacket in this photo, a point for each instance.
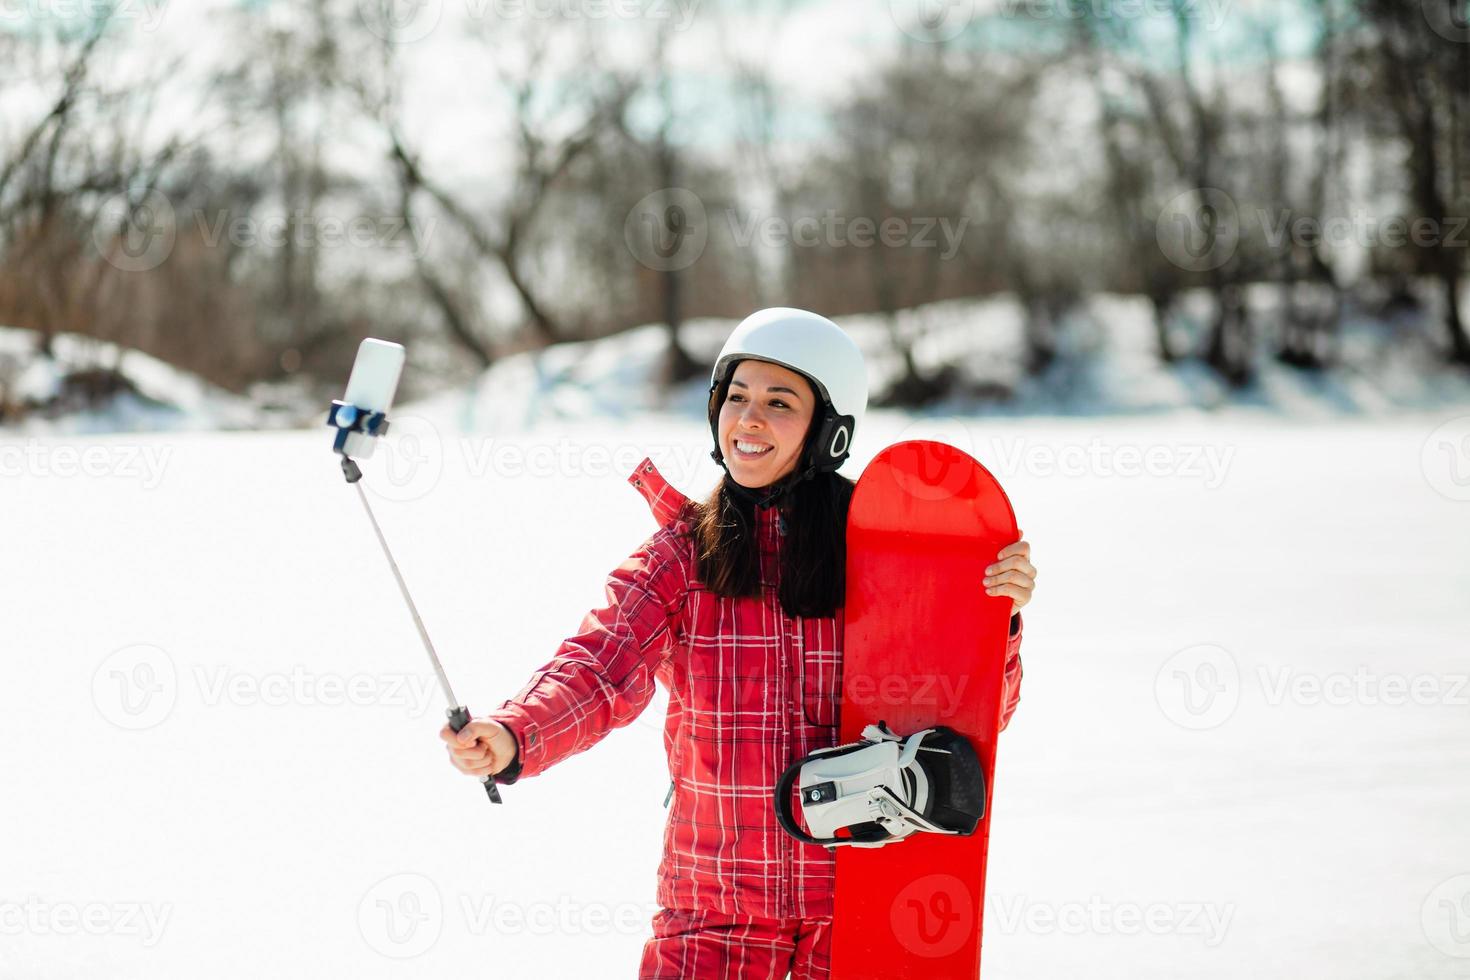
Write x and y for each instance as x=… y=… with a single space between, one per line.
x=750 y=691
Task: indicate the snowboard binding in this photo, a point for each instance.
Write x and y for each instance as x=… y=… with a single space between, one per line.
x=884 y=787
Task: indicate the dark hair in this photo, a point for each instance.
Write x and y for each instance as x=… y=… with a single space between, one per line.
x=813 y=558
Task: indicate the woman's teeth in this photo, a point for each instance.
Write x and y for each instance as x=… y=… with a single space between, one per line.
x=750 y=448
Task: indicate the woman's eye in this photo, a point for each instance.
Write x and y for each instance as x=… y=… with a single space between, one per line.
x=779 y=404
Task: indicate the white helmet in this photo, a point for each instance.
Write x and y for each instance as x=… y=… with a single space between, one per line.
x=818 y=349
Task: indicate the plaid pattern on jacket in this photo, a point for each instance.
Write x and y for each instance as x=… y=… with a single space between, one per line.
x=750 y=691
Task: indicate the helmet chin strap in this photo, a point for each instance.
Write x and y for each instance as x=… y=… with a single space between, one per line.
x=772 y=494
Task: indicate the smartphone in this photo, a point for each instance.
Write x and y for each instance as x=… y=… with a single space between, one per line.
x=371 y=387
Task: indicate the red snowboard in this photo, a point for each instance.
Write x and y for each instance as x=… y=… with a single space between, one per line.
x=924 y=646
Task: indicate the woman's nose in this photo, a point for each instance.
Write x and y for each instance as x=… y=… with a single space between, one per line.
x=751 y=415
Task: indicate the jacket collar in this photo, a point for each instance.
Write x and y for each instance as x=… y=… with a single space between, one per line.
x=666 y=503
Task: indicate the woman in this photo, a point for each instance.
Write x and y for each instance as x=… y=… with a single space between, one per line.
x=735 y=606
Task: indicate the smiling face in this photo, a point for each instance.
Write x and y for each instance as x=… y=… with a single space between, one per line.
x=767 y=409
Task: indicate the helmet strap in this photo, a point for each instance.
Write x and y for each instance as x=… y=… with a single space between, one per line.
x=769 y=496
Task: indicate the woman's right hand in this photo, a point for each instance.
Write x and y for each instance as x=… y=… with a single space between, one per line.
x=481 y=748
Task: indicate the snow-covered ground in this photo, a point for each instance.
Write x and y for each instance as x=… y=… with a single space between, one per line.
x=1241 y=748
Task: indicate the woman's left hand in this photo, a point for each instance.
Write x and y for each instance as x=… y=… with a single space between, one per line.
x=1013 y=575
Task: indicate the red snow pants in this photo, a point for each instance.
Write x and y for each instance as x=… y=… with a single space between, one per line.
x=698 y=945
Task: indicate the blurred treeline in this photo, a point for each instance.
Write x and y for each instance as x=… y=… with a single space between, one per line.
x=1167 y=148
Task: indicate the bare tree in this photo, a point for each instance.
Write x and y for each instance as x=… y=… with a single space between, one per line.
x=1129 y=177
x=762 y=119
x=1311 y=297
x=549 y=137
x=1425 y=79
x=668 y=165
x=292 y=82
x=35 y=190
x=1193 y=144
x=931 y=144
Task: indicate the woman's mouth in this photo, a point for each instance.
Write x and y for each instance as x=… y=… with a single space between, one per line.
x=750 y=450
